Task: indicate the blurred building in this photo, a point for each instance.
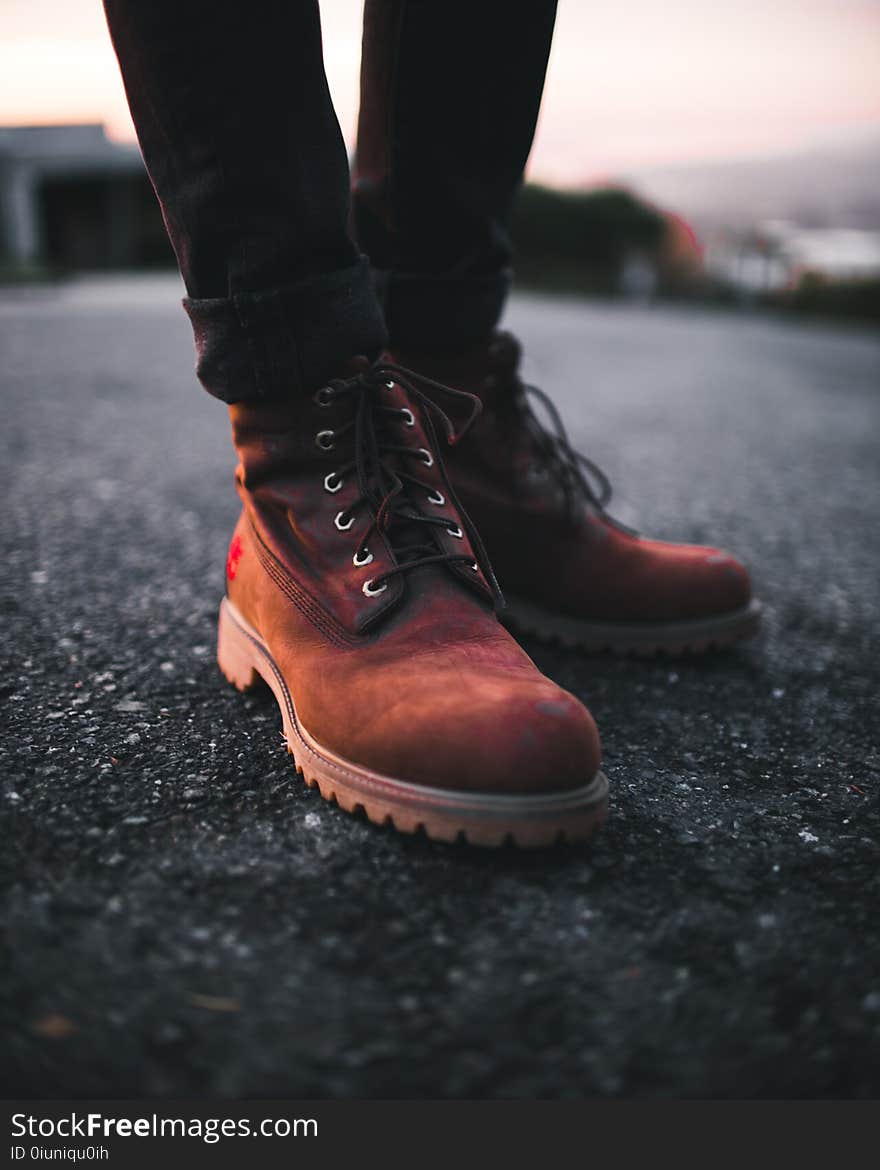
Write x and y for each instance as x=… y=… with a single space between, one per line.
x=776 y=255
x=70 y=198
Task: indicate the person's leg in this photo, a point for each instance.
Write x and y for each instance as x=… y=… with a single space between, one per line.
x=234 y=117
x=449 y=105
x=450 y=93
x=356 y=588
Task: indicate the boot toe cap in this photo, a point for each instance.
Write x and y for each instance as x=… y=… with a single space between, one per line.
x=497 y=737
x=725 y=582
x=680 y=582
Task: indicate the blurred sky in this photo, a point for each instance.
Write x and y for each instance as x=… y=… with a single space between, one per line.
x=632 y=83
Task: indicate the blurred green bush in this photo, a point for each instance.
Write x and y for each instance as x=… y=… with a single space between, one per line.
x=581 y=241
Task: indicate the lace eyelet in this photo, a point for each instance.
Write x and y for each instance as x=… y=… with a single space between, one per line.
x=427 y=457
x=455 y=531
x=367 y=559
x=475 y=568
x=408 y=417
x=437 y=498
x=368 y=590
x=324 y=396
x=340 y=525
x=326 y=440
x=333 y=482
x=389 y=385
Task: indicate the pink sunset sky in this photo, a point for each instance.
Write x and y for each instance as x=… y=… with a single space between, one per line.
x=632 y=83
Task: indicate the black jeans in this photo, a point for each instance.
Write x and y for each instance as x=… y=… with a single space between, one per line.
x=239 y=135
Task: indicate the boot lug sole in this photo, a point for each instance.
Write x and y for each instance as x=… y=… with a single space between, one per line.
x=483 y=819
x=640 y=639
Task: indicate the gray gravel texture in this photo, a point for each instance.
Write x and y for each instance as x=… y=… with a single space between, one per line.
x=182 y=917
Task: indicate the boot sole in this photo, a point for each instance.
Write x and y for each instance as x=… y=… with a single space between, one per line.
x=443 y=814
x=642 y=639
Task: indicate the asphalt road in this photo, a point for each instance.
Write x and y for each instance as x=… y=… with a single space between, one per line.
x=182 y=917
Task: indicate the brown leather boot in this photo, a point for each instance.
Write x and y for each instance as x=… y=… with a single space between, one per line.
x=568 y=570
x=358 y=590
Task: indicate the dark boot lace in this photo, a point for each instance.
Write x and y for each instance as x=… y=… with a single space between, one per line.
x=579 y=477
x=388 y=492
x=550 y=449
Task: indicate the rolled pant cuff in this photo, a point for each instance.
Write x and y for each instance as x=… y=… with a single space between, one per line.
x=438 y=314
x=269 y=344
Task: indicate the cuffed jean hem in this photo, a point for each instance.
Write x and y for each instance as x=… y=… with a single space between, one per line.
x=267 y=345
x=438 y=314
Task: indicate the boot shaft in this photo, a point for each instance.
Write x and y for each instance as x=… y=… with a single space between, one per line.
x=346 y=489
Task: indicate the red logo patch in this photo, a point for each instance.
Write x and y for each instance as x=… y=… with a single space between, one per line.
x=235 y=551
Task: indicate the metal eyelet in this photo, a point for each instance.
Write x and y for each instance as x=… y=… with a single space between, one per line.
x=326 y=440
x=368 y=590
x=427 y=457
x=333 y=482
x=408 y=417
x=324 y=396
x=338 y=521
x=436 y=498
x=455 y=531
x=475 y=568
x=359 y=562
x=389 y=385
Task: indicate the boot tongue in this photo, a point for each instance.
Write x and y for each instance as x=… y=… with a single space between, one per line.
x=353 y=367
